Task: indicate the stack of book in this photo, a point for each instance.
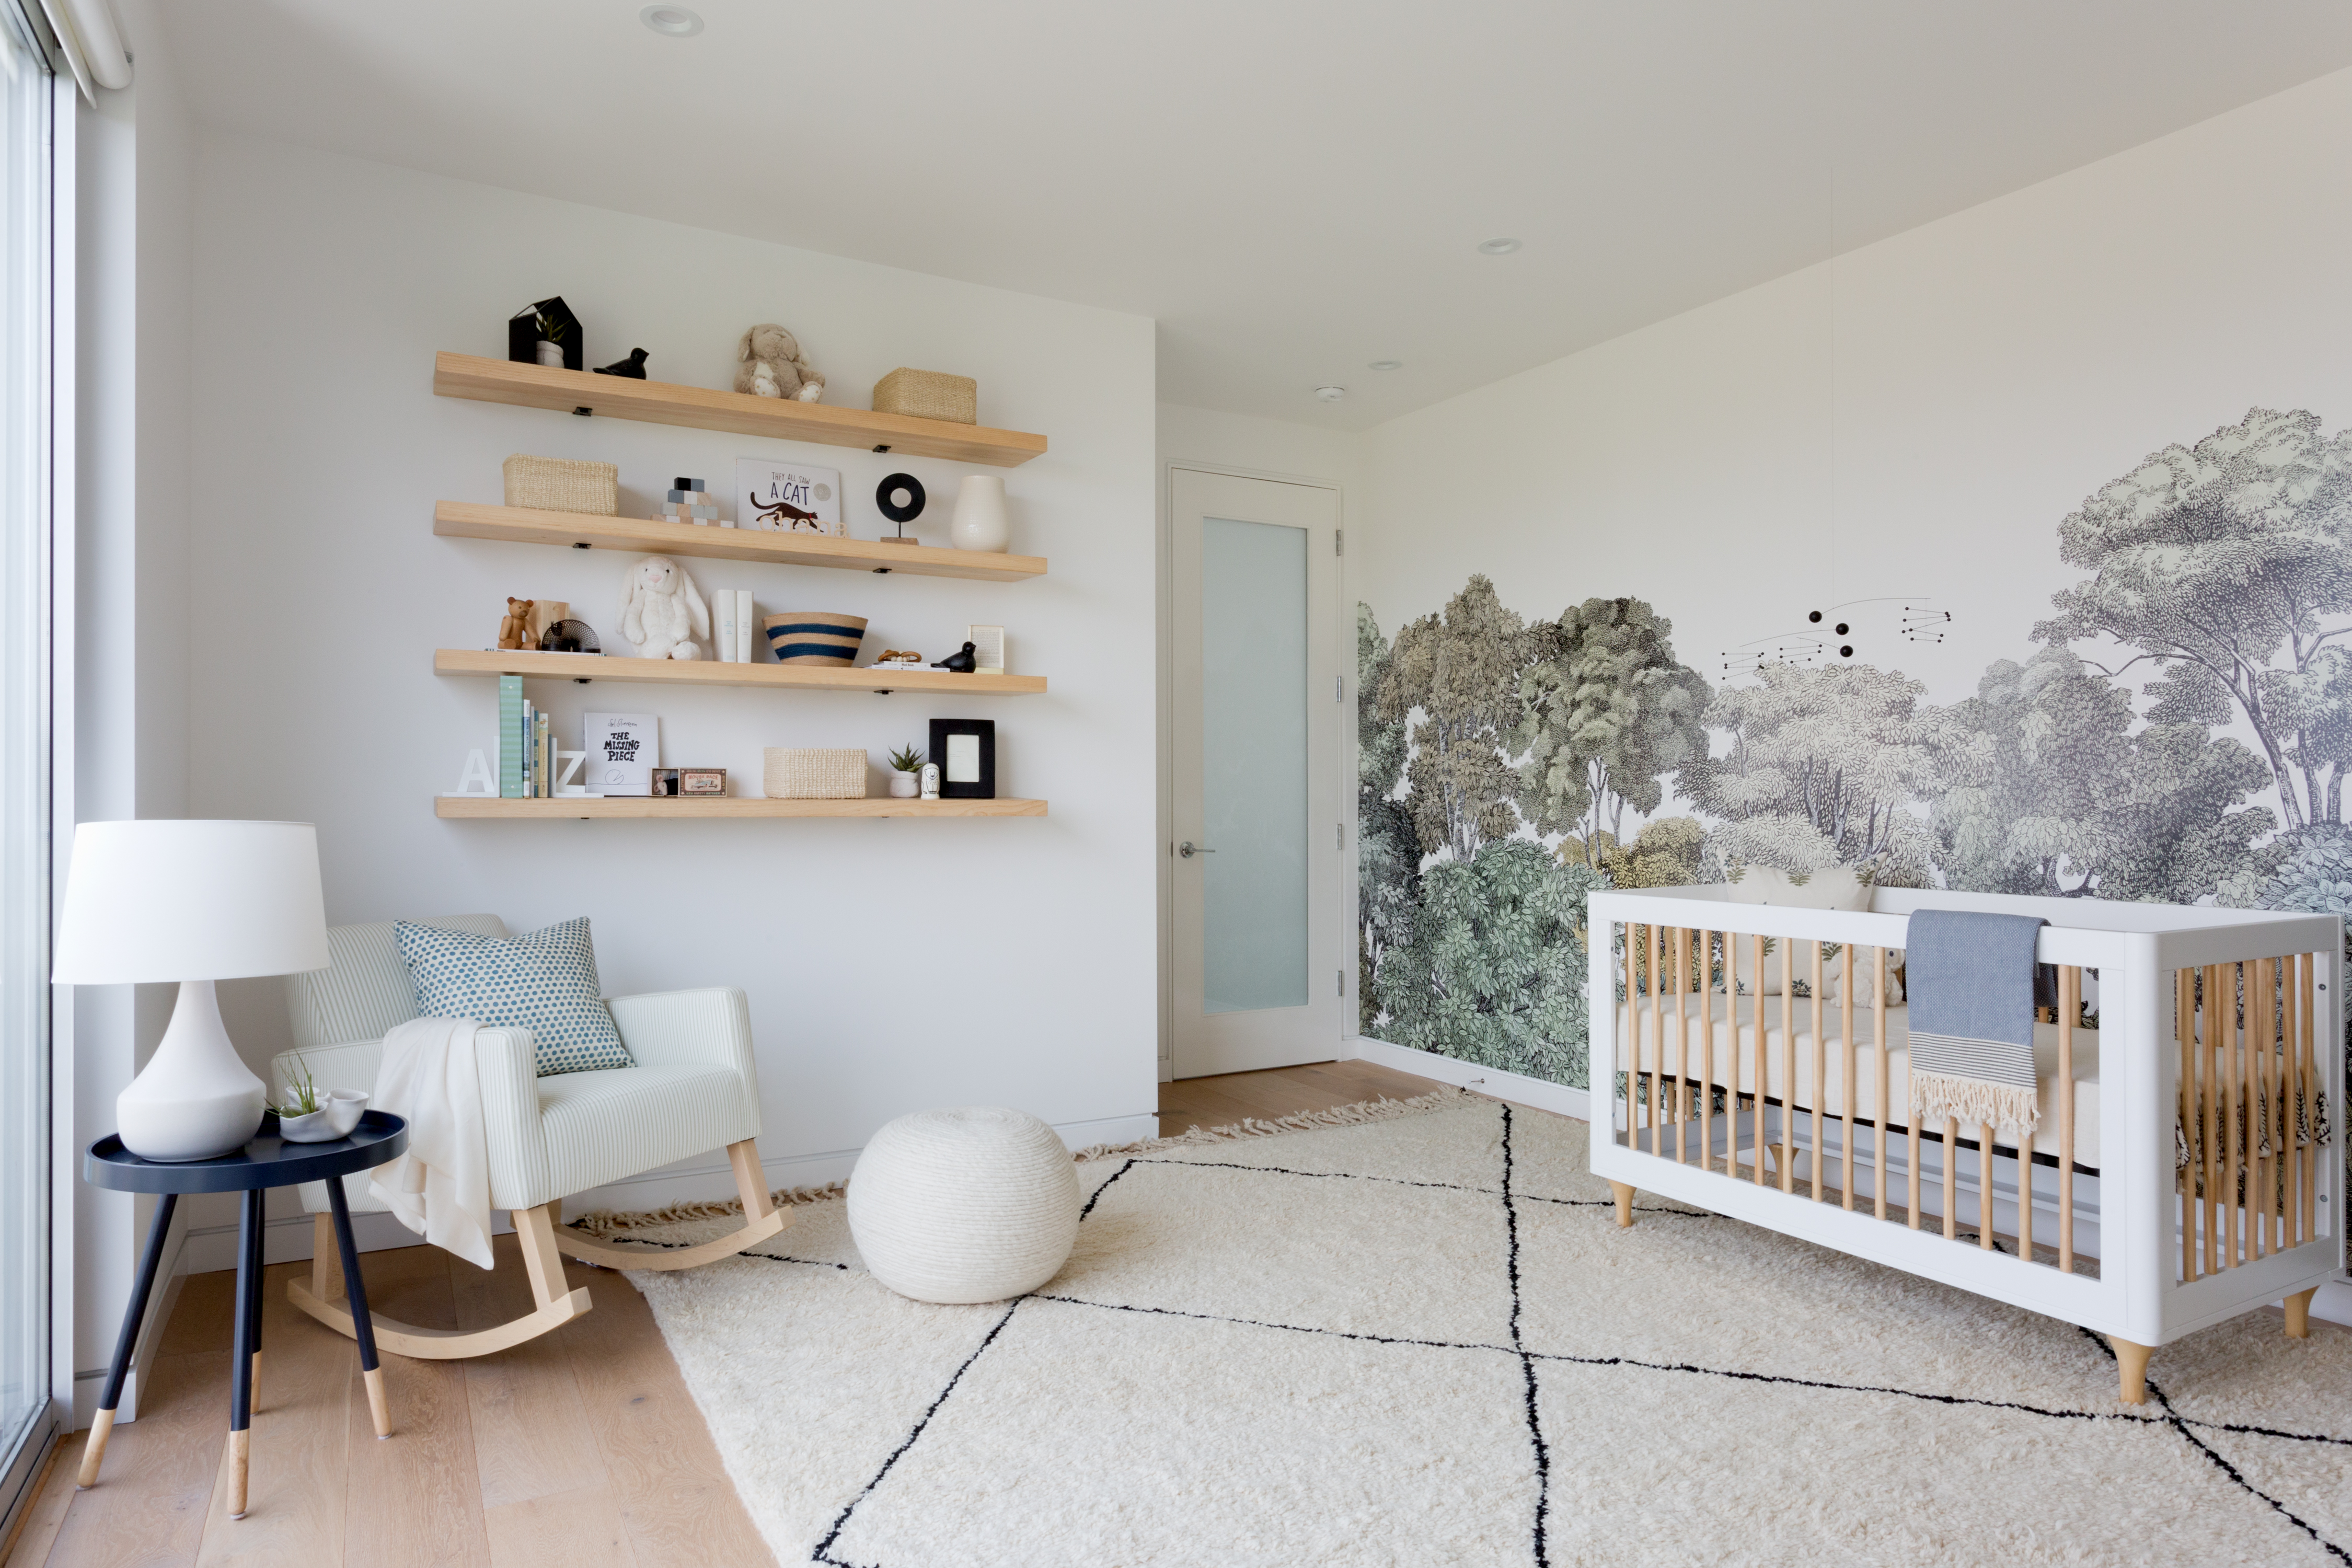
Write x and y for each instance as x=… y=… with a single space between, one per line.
x=732 y=618
x=526 y=745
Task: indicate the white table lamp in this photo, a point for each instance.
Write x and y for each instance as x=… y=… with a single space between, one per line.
x=194 y=903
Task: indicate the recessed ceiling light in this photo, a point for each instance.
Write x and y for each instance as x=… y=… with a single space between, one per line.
x=671 y=21
x=1497 y=246
x=1330 y=393
x=1388 y=365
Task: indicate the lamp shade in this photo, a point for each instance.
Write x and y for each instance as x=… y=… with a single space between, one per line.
x=172 y=899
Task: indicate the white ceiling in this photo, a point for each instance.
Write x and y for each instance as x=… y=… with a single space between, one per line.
x=1292 y=190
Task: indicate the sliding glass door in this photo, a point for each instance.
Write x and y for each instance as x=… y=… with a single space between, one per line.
x=25 y=256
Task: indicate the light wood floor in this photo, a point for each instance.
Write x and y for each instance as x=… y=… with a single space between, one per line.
x=582 y=1449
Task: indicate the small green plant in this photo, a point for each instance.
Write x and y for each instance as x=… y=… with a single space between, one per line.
x=906 y=760
x=302 y=1099
x=549 y=328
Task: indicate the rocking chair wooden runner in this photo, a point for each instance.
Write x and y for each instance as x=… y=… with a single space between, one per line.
x=693 y=1089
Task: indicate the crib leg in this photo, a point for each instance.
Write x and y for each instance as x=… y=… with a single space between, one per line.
x=1624 y=1197
x=2299 y=1314
x=2132 y=1360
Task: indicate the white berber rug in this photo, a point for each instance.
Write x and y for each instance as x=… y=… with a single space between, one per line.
x=1420 y=1339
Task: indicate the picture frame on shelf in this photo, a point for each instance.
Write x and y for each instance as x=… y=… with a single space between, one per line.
x=965 y=752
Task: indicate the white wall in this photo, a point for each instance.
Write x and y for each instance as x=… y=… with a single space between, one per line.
x=891 y=965
x=1267 y=448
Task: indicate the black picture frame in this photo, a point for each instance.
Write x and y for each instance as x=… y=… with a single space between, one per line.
x=522 y=332
x=985 y=789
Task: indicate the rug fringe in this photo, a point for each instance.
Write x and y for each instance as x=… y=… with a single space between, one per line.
x=607 y=1222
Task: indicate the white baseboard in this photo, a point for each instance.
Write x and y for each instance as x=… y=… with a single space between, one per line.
x=287 y=1238
x=1516 y=1087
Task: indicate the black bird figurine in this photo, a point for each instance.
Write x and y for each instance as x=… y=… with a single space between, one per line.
x=633 y=367
x=962 y=663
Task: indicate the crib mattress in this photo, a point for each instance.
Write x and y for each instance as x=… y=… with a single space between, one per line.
x=1863 y=1061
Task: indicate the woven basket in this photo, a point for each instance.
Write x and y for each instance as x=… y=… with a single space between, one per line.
x=811 y=773
x=815 y=636
x=928 y=395
x=560 y=484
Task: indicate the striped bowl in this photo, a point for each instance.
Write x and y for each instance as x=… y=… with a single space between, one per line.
x=815 y=636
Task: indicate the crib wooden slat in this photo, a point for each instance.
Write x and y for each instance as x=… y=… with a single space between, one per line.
x=1910 y=1117
x=2070 y=1007
x=1706 y=1051
x=1632 y=1042
x=2258 y=1091
x=2183 y=1027
x=1821 y=1066
x=1756 y=997
x=2275 y=1035
x=1984 y=1186
x=1787 y=1068
x=2307 y=1078
x=2290 y=1095
x=1845 y=1065
x=2233 y=1125
x=1682 y=1040
x=1951 y=1178
x=2216 y=1257
x=2267 y=1076
x=1657 y=1033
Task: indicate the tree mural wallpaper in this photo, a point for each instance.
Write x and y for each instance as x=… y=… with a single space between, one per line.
x=1507 y=768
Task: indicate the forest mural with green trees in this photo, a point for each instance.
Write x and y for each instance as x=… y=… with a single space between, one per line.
x=1508 y=767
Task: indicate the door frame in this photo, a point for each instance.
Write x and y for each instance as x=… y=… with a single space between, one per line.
x=1343 y=716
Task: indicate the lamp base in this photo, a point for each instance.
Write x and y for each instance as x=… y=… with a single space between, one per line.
x=195 y=1099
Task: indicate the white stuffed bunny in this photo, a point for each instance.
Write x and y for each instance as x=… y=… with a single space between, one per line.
x=661 y=614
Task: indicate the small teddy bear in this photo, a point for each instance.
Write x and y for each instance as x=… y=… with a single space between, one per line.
x=514 y=626
x=771 y=365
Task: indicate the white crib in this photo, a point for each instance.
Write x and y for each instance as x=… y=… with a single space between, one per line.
x=2139 y=1213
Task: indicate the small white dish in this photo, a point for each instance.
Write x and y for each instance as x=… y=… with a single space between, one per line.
x=333 y=1119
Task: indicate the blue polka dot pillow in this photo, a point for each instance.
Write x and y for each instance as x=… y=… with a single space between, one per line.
x=545 y=983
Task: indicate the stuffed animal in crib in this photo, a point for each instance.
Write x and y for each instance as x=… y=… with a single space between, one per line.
x=770 y=365
x=514 y=626
x=661 y=613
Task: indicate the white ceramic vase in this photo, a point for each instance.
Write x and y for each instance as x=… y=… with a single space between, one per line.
x=551 y=354
x=980 y=514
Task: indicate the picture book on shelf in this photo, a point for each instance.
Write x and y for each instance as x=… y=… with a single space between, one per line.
x=623 y=751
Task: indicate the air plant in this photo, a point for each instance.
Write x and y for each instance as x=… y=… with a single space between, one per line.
x=906 y=760
x=302 y=1099
x=549 y=328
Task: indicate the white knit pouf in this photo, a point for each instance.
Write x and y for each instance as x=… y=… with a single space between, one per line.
x=975 y=1204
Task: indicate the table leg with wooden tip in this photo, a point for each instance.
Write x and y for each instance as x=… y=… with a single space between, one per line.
x=2298 y=1313
x=250 y=1280
x=355 y=1295
x=2131 y=1359
x=240 y=1399
x=110 y=1398
x=1624 y=1197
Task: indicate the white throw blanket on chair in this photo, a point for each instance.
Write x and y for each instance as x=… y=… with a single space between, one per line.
x=441 y=1187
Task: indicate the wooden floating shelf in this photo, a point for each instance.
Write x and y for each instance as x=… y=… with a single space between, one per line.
x=704 y=408
x=710 y=672
x=477 y=807
x=523 y=525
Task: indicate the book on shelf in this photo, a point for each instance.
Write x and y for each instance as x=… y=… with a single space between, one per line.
x=746 y=617
x=623 y=750
x=511 y=737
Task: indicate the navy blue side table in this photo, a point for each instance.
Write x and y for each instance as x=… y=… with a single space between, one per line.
x=267 y=1161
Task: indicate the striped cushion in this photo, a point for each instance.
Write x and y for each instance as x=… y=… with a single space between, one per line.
x=815 y=637
x=363 y=994
x=545 y=983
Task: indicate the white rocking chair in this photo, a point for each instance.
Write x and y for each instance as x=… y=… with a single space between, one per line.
x=693 y=1089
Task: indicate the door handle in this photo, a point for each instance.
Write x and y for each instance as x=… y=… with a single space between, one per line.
x=1187 y=850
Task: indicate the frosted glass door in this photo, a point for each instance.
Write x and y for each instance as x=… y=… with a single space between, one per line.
x=1257 y=961
x=1252 y=765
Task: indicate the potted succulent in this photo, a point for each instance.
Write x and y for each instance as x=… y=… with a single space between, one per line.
x=550 y=341
x=905 y=766
x=315 y=1115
